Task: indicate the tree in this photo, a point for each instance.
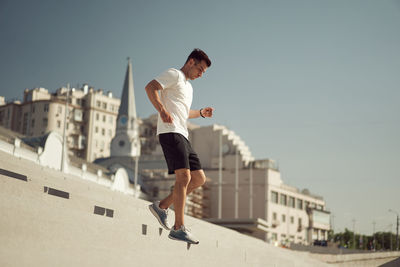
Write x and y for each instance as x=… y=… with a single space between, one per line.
x=383 y=240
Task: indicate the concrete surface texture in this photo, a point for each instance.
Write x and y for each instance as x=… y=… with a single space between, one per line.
x=55 y=219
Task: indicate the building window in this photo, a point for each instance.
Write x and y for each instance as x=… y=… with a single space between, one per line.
x=33 y=108
x=110 y=119
x=58 y=124
x=33 y=123
x=104 y=105
x=291 y=219
x=307 y=203
x=291 y=202
x=45 y=121
x=96 y=129
x=109 y=132
x=299 y=204
x=46 y=107
x=97 y=116
x=104 y=118
x=283 y=218
x=274 y=196
x=59 y=109
x=25 y=123
x=98 y=104
x=283 y=199
x=274 y=216
x=103 y=132
x=299 y=222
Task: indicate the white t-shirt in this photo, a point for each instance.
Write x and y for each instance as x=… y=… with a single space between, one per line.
x=176 y=96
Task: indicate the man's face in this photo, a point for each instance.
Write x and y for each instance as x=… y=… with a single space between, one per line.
x=196 y=69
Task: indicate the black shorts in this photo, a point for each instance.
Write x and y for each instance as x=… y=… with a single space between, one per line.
x=178 y=152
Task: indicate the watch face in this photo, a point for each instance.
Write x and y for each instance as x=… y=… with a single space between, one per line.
x=123 y=120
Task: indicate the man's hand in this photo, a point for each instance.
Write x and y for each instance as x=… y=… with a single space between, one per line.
x=165 y=116
x=207 y=112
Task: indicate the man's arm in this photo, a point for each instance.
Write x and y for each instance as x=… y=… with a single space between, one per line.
x=152 y=93
x=206 y=112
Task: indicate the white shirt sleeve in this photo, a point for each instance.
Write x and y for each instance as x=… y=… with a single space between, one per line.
x=168 y=78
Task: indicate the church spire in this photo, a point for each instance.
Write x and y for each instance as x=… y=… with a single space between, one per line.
x=128 y=106
x=126 y=141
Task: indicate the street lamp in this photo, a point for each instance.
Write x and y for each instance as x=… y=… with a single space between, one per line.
x=397 y=228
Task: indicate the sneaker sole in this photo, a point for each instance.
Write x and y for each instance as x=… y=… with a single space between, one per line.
x=187 y=241
x=158 y=218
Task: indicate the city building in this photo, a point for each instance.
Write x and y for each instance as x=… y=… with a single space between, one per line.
x=253 y=197
x=90 y=120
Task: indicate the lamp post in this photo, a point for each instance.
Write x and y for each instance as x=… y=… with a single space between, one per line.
x=220 y=177
x=397 y=228
x=237 y=184
x=354 y=233
x=64 y=143
x=251 y=190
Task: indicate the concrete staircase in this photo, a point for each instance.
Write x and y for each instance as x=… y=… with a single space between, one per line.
x=49 y=218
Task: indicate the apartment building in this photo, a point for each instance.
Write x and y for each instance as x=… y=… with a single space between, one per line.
x=90 y=121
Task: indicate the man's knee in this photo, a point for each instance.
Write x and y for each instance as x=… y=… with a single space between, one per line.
x=183 y=177
x=198 y=177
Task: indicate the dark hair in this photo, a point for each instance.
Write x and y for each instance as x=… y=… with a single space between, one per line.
x=199 y=55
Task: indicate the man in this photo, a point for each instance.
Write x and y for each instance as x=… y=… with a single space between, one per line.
x=173 y=106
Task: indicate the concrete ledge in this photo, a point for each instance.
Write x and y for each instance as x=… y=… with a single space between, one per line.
x=6 y=147
x=363 y=259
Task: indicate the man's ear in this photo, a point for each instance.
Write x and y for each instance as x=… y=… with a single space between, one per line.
x=191 y=62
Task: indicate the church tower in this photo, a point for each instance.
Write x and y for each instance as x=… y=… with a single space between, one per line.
x=126 y=142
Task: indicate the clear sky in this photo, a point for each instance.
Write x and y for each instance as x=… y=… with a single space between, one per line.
x=314 y=85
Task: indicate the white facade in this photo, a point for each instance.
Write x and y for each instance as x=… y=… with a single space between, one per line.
x=257 y=192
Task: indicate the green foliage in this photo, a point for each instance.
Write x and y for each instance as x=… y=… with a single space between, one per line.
x=379 y=241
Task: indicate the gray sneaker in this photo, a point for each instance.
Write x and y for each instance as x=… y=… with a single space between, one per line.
x=160 y=214
x=183 y=234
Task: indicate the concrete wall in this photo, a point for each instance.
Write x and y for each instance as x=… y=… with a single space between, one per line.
x=86 y=224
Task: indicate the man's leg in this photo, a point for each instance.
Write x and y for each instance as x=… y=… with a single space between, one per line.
x=179 y=195
x=197 y=179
